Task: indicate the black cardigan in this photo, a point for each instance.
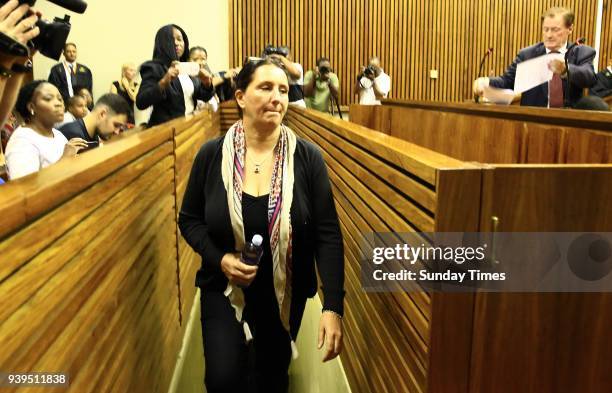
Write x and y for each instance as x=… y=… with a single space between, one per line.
x=168 y=103
x=205 y=223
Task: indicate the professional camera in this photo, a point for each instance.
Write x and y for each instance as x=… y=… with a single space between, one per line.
x=368 y=72
x=273 y=50
x=324 y=70
x=53 y=34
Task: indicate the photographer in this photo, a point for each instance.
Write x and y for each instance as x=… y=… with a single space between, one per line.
x=372 y=83
x=294 y=71
x=13 y=26
x=320 y=85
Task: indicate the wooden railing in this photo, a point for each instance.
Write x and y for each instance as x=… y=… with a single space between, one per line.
x=90 y=272
x=493 y=134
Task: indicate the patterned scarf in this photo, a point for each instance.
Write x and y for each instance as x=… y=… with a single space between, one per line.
x=279 y=205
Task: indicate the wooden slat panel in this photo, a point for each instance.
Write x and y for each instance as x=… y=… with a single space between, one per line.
x=401 y=33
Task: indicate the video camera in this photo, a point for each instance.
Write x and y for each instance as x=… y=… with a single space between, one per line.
x=273 y=50
x=53 y=35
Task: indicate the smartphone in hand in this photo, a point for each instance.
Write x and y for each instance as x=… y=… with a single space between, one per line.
x=189 y=68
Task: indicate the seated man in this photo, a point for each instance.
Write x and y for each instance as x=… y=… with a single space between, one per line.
x=76 y=108
x=109 y=116
x=372 y=84
x=557 y=25
x=320 y=85
x=603 y=87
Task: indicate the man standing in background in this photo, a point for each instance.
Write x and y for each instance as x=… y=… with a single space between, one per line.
x=320 y=85
x=69 y=74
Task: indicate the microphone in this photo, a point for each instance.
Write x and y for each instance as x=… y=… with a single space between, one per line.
x=77 y=6
x=566 y=96
x=487 y=53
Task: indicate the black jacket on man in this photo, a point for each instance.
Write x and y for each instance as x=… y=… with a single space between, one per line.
x=81 y=78
x=581 y=75
x=603 y=87
x=168 y=103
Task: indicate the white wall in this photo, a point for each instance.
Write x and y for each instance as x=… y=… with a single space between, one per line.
x=112 y=32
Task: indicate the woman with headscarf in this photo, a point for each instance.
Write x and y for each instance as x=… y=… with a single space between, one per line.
x=170 y=93
x=260 y=178
x=127 y=87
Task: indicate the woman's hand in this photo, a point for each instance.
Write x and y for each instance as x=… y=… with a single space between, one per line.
x=205 y=77
x=171 y=74
x=73 y=146
x=330 y=333
x=236 y=271
x=12 y=25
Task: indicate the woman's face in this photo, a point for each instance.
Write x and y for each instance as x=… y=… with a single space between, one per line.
x=199 y=57
x=179 y=44
x=266 y=97
x=129 y=72
x=47 y=105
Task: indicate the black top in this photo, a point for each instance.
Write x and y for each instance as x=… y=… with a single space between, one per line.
x=77 y=129
x=205 y=224
x=603 y=87
x=168 y=103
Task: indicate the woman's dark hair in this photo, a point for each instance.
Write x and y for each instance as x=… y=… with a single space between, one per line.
x=245 y=76
x=25 y=96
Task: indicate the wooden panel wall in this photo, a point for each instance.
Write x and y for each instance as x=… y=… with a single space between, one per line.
x=410 y=36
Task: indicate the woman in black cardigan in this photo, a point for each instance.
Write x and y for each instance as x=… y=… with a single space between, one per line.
x=171 y=94
x=261 y=179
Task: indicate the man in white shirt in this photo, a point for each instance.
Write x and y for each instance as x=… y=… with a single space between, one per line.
x=373 y=84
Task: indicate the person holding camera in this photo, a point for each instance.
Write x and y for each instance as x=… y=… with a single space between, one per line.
x=320 y=86
x=15 y=28
x=372 y=83
x=69 y=74
x=171 y=93
x=294 y=71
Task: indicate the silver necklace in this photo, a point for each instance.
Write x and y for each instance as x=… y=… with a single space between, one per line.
x=258 y=165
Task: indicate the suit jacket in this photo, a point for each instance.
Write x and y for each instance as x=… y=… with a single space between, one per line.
x=603 y=87
x=81 y=78
x=168 y=103
x=581 y=75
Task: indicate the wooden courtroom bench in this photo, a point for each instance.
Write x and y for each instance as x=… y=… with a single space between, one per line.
x=494 y=134
x=479 y=342
x=94 y=279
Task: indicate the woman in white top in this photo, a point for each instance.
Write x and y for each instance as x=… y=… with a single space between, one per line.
x=37 y=144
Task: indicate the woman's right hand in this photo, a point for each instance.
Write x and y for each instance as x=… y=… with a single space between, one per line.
x=171 y=74
x=73 y=146
x=237 y=272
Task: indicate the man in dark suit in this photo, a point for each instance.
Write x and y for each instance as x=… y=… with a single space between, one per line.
x=603 y=87
x=68 y=75
x=557 y=25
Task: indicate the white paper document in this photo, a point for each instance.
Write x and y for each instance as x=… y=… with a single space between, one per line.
x=533 y=72
x=498 y=96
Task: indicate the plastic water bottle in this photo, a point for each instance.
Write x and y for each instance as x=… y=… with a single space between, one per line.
x=252 y=251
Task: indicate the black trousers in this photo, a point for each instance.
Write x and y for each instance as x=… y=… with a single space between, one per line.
x=233 y=366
